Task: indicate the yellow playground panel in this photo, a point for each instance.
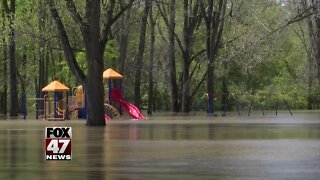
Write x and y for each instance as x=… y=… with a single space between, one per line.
x=76 y=101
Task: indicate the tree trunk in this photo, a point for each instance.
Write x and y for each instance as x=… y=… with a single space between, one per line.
x=94 y=54
x=310 y=56
x=155 y=95
x=95 y=39
x=214 y=27
x=40 y=78
x=94 y=95
x=152 y=41
x=12 y=59
x=22 y=77
x=185 y=99
x=172 y=60
x=4 y=93
x=186 y=53
x=92 y=82
x=191 y=20
x=317 y=35
x=124 y=36
x=41 y=75
x=224 y=88
x=210 y=87
x=139 y=58
x=312 y=53
x=210 y=64
x=123 y=44
x=46 y=65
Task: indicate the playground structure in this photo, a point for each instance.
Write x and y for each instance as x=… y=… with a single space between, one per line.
x=232 y=97
x=112 y=111
x=115 y=97
x=58 y=112
x=59 y=108
x=77 y=103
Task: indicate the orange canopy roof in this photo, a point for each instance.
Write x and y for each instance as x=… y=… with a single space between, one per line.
x=111 y=74
x=55 y=86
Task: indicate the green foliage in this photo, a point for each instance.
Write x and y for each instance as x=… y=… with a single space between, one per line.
x=255 y=61
x=111 y=54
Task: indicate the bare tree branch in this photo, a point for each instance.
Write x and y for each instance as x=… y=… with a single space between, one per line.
x=198 y=54
x=204 y=76
x=75 y=15
x=197 y=66
x=5 y=6
x=12 y=6
x=166 y=21
x=233 y=39
x=70 y=56
x=179 y=42
x=161 y=34
x=164 y=16
x=111 y=20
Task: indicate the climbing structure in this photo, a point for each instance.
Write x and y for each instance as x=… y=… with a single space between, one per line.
x=115 y=95
x=112 y=110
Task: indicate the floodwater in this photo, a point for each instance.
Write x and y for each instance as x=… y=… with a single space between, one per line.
x=169 y=147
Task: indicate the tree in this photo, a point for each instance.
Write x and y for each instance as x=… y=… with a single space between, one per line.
x=22 y=79
x=171 y=24
x=172 y=61
x=151 y=61
x=10 y=11
x=191 y=20
x=43 y=60
x=4 y=92
x=124 y=37
x=314 y=34
x=316 y=17
x=241 y=47
x=95 y=36
x=310 y=49
x=139 y=57
x=214 y=20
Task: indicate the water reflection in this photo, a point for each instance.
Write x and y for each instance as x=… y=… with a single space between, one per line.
x=95 y=151
x=151 y=150
x=3 y=148
x=173 y=131
x=16 y=151
x=212 y=131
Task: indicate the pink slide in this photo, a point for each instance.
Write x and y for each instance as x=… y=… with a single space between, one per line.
x=106 y=117
x=131 y=109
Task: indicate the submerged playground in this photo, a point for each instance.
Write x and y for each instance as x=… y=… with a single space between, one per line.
x=59 y=104
x=60 y=107
x=259 y=145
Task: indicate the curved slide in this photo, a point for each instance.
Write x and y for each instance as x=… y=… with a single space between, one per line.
x=131 y=109
x=106 y=117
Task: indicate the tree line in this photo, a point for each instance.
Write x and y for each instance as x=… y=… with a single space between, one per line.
x=170 y=52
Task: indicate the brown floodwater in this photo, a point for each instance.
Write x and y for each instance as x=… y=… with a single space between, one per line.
x=169 y=147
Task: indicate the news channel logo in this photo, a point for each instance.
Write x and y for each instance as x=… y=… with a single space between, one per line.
x=58 y=143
